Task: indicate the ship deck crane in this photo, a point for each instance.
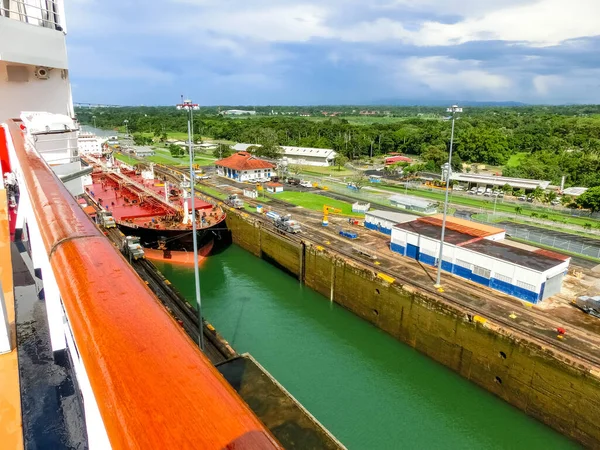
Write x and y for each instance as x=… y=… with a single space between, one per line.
x=326 y=211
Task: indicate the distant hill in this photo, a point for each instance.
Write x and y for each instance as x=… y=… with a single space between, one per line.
x=423 y=102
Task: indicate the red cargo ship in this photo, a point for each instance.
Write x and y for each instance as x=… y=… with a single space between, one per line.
x=156 y=211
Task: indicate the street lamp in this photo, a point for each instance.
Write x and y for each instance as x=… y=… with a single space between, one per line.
x=126 y=122
x=188 y=106
x=94 y=117
x=454 y=109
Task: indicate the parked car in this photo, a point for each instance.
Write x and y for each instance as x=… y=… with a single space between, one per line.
x=555 y=202
x=480 y=190
x=530 y=199
x=522 y=198
x=305 y=184
x=458 y=188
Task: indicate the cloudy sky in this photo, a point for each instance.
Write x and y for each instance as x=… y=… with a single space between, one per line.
x=334 y=51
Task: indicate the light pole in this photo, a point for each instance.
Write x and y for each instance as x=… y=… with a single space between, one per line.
x=453 y=109
x=94 y=117
x=126 y=122
x=188 y=106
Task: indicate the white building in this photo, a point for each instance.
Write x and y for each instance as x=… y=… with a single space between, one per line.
x=274 y=188
x=472 y=253
x=90 y=144
x=384 y=221
x=413 y=204
x=474 y=179
x=238 y=112
x=242 y=166
x=305 y=156
x=574 y=191
x=143 y=151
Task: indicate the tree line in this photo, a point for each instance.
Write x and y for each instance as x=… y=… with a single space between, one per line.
x=550 y=141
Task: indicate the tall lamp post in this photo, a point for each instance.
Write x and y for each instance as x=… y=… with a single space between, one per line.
x=454 y=109
x=126 y=122
x=188 y=106
x=94 y=117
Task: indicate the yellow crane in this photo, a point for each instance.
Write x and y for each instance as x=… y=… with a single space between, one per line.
x=326 y=211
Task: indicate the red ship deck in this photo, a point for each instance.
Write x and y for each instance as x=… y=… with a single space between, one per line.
x=124 y=203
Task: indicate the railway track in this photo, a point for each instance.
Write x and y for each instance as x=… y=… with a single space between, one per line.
x=580 y=344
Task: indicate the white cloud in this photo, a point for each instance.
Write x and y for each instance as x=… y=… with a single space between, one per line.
x=545 y=22
x=442 y=74
x=287 y=23
x=544 y=84
x=94 y=65
x=540 y=22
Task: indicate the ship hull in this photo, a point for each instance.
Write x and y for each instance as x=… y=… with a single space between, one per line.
x=177 y=240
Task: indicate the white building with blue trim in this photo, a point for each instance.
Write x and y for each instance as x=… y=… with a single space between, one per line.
x=384 y=221
x=483 y=256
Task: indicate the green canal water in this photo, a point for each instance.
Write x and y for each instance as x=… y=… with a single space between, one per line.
x=370 y=390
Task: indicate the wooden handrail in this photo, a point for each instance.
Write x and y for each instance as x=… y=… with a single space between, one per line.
x=154 y=388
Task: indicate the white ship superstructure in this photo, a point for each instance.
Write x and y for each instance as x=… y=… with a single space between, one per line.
x=90 y=144
x=85 y=347
x=34 y=73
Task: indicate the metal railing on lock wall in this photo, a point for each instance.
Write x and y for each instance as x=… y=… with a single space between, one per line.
x=144 y=382
x=42 y=13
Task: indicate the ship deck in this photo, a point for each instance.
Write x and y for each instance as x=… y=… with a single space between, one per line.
x=126 y=208
x=11 y=431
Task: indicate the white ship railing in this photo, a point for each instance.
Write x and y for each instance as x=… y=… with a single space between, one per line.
x=41 y=13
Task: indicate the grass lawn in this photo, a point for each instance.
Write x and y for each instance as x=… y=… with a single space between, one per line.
x=125 y=158
x=489 y=204
x=211 y=191
x=314 y=201
x=516 y=159
x=321 y=171
x=484 y=217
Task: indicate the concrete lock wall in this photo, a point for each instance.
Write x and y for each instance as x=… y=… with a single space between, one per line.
x=535 y=380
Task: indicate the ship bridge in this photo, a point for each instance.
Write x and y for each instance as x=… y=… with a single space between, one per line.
x=143 y=382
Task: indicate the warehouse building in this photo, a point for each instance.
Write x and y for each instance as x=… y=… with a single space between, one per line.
x=142 y=151
x=413 y=204
x=471 y=252
x=384 y=221
x=480 y=180
x=304 y=156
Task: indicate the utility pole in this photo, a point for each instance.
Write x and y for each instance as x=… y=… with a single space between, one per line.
x=453 y=109
x=188 y=106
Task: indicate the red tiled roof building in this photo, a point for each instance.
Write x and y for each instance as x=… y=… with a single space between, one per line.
x=242 y=166
x=395 y=159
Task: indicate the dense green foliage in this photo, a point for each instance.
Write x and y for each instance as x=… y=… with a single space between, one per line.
x=545 y=142
x=590 y=199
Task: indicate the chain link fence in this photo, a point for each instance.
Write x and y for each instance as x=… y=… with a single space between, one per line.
x=549 y=238
x=340 y=187
x=560 y=241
